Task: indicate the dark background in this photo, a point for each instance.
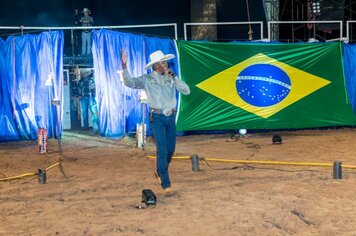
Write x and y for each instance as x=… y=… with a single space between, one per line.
x=116 y=12
x=134 y=12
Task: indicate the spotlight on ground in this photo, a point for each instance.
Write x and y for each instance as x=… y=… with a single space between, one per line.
x=277 y=139
x=148 y=197
x=242 y=132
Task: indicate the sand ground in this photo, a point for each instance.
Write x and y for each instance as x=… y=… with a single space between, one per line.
x=100 y=186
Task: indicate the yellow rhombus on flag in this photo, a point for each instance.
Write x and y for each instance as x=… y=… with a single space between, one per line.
x=222 y=85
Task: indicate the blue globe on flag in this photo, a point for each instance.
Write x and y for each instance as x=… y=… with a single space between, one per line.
x=263 y=85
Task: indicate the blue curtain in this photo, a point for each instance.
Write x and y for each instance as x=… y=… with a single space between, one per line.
x=349 y=61
x=118 y=106
x=26 y=63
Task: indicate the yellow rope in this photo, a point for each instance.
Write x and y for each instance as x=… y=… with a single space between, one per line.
x=27 y=174
x=18 y=176
x=55 y=164
x=348 y=166
x=181 y=157
x=292 y=163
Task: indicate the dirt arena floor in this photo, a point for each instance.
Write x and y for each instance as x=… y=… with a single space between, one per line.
x=99 y=188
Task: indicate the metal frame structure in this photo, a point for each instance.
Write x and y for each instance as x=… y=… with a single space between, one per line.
x=304 y=22
x=224 y=23
x=269 y=27
x=86 y=61
x=272 y=14
x=94 y=27
x=348 y=29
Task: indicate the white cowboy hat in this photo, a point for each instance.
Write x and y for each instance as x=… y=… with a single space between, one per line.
x=85 y=72
x=158 y=56
x=86 y=10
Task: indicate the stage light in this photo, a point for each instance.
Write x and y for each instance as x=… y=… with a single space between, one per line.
x=148 y=197
x=315 y=8
x=242 y=132
x=143 y=96
x=49 y=81
x=277 y=139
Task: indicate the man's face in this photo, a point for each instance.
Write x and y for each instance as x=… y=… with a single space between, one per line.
x=161 y=67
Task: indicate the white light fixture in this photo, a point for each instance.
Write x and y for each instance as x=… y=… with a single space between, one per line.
x=143 y=96
x=49 y=81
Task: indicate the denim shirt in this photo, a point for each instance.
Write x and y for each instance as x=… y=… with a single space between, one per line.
x=86 y=87
x=160 y=89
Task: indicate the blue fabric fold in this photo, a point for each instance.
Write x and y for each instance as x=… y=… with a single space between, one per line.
x=26 y=62
x=349 y=63
x=119 y=107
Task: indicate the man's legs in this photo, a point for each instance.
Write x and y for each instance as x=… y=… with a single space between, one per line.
x=88 y=43
x=84 y=102
x=83 y=43
x=159 y=133
x=94 y=114
x=171 y=136
x=76 y=43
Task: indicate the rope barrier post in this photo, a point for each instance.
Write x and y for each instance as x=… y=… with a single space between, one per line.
x=57 y=103
x=42 y=179
x=195 y=162
x=337 y=170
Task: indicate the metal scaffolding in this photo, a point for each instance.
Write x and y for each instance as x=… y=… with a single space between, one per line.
x=272 y=14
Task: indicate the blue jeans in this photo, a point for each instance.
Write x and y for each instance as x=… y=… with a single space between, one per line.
x=86 y=43
x=164 y=131
x=85 y=105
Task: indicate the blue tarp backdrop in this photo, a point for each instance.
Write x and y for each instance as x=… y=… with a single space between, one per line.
x=118 y=106
x=26 y=63
x=349 y=62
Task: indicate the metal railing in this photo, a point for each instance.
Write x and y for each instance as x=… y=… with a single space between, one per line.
x=347 y=38
x=304 y=22
x=348 y=29
x=95 y=27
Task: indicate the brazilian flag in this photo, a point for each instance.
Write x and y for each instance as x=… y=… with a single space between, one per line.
x=262 y=86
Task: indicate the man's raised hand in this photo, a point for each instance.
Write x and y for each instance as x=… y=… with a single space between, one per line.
x=123 y=59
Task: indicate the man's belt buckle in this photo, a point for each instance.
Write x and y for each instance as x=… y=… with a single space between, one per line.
x=167 y=112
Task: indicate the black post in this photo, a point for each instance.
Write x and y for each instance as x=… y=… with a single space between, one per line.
x=195 y=162
x=337 y=170
x=42 y=179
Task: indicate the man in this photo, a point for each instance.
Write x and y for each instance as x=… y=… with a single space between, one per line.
x=87 y=21
x=86 y=87
x=160 y=86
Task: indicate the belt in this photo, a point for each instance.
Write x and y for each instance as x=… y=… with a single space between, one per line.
x=166 y=112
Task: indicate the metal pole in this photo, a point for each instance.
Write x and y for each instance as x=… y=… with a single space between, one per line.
x=72 y=41
x=124 y=110
x=51 y=111
x=143 y=130
x=293 y=20
x=58 y=131
x=315 y=29
x=57 y=103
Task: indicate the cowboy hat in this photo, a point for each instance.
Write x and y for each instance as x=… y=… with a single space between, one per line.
x=86 y=10
x=85 y=72
x=158 y=56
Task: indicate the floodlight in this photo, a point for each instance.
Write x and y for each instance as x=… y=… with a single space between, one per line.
x=315 y=8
